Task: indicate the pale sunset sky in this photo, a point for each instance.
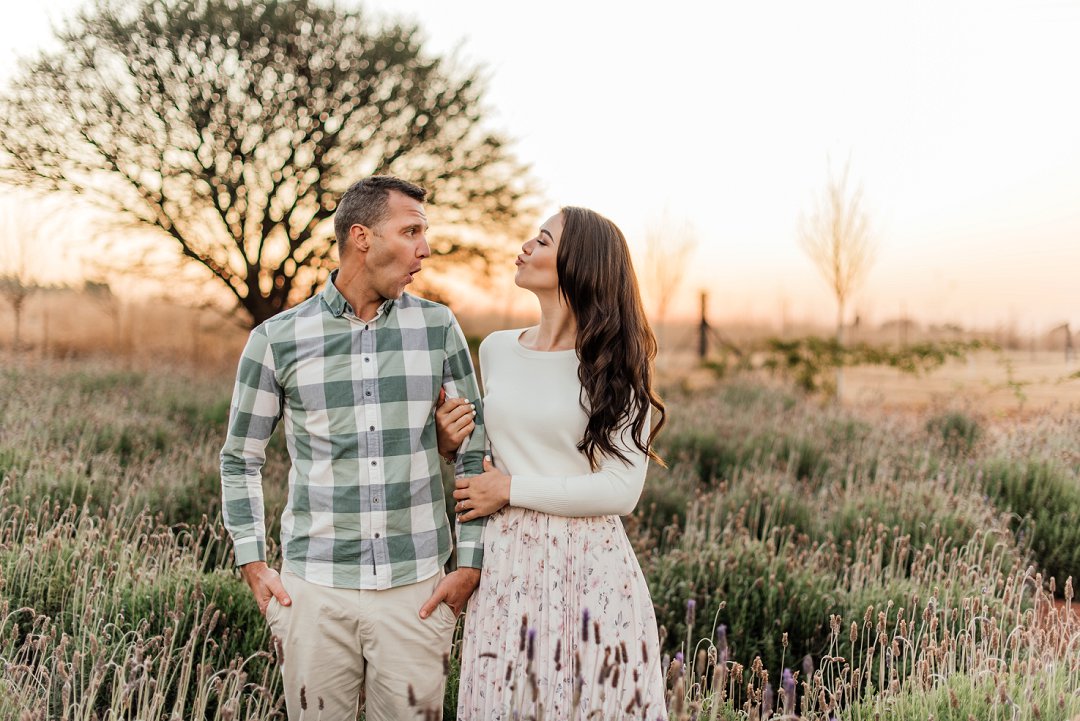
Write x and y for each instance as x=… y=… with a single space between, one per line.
x=961 y=120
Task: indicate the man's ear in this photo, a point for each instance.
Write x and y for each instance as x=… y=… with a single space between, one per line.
x=359 y=238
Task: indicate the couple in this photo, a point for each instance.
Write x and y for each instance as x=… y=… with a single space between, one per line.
x=561 y=621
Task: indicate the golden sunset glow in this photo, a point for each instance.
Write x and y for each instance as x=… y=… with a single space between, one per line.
x=960 y=119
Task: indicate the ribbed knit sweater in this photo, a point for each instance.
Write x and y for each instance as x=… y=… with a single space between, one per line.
x=534 y=421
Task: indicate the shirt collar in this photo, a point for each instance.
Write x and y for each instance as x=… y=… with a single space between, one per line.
x=337 y=304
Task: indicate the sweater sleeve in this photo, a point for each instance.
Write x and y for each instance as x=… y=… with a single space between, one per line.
x=614 y=489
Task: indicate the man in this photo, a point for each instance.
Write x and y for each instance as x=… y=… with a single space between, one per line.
x=355 y=372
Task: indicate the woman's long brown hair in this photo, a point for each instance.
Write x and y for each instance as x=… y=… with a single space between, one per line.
x=615 y=345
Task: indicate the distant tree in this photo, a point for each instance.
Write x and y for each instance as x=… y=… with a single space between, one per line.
x=231 y=127
x=15 y=289
x=101 y=294
x=838 y=238
x=669 y=244
x=21 y=230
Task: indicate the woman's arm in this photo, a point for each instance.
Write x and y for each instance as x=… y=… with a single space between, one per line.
x=614 y=489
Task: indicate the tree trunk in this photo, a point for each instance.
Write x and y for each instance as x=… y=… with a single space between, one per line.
x=840 y=343
x=260 y=308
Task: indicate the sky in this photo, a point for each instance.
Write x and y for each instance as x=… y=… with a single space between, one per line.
x=961 y=120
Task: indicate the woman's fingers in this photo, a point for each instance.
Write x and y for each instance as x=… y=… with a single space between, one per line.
x=462 y=427
x=459 y=423
x=451 y=410
x=455 y=407
x=473 y=513
x=463 y=412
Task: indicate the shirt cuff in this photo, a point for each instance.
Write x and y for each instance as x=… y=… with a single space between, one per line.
x=471 y=462
x=248 y=550
x=470 y=556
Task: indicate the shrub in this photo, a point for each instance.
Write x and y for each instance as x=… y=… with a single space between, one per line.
x=1046 y=501
x=957 y=432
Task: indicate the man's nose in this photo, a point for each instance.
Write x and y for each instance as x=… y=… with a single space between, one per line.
x=423 y=250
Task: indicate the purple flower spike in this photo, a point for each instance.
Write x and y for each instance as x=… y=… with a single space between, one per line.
x=691 y=606
x=767 y=698
x=585 y=625
x=679 y=657
x=787 y=683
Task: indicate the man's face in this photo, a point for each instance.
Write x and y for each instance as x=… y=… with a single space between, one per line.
x=398 y=246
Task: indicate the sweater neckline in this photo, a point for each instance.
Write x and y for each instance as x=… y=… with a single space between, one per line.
x=530 y=353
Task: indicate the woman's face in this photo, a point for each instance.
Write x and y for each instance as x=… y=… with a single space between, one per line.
x=536 y=269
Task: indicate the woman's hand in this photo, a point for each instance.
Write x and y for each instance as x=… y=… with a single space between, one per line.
x=453 y=423
x=481 y=495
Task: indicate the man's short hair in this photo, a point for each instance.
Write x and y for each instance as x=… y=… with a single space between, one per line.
x=366 y=202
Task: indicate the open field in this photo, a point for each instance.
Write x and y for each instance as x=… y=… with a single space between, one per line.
x=1002 y=383
x=1026 y=375
x=900 y=565
x=994 y=383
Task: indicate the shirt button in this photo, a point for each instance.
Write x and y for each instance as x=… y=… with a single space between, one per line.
x=365 y=327
x=366 y=359
x=371 y=428
x=376 y=535
x=374 y=500
x=367 y=393
x=373 y=463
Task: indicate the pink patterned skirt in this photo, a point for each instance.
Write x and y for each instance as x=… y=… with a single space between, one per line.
x=561 y=625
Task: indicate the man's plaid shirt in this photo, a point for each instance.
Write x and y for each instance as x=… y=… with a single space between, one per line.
x=366 y=507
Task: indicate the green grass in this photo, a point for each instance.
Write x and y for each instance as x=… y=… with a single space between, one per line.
x=1044 y=498
x=808 y=532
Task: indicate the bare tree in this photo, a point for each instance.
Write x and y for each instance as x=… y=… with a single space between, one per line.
x=101 y=294
x=16 y=288
x=669 y=244
x=231 y=127
x=21 y=230
x=840 y=241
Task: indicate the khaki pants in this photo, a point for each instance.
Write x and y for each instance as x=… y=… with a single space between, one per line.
x=337 y=641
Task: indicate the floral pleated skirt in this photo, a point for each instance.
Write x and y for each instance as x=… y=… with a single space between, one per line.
x=562 y=624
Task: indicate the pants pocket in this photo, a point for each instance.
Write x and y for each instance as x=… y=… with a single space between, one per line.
x=276 y=614
x=447 y=613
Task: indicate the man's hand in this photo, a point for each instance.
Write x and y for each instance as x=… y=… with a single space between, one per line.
x=265 y=583
x=454 y=590
x=453 y=423
x=481 y=495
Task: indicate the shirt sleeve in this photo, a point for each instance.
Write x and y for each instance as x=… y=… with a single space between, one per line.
x=614 y=489
x=459 y=381
x=257 y=404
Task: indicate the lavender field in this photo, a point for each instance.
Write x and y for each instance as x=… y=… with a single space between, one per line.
x=806 y=561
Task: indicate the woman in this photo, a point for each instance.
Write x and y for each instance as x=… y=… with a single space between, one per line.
x=562 y=623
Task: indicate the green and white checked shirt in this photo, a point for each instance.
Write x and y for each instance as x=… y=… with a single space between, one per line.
x=366 y=507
